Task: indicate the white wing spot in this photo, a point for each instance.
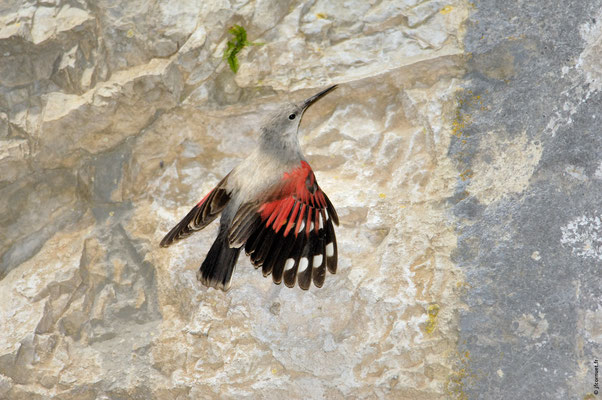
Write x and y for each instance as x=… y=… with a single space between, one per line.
x=327 y=215
x=329 y=250
x=317 y=260
x=311 y=227
x=303 y=265
x=289 y=264
x=301 y=226
x=321 y=224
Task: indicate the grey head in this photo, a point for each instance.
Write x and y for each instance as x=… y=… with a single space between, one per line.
x=279 y=133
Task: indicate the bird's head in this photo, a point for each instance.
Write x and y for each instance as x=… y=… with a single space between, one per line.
x=295 y=111
x=283 y=126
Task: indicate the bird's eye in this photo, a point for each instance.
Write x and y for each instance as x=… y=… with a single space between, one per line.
x=292 y=116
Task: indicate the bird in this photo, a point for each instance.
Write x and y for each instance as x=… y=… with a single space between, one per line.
x=272 y=206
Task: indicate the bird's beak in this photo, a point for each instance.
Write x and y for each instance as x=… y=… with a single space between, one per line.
x=317 y=97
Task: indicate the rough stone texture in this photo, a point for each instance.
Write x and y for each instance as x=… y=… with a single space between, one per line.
x=529 y=145
x=116 y=117
x=461 y=150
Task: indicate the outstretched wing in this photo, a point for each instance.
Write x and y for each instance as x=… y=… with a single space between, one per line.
x=290 y=234
x=201 y=215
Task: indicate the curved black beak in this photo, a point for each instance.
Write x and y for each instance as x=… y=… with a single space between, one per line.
x=317 y=97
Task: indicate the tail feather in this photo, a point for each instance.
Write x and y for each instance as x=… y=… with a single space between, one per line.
x=216 y=270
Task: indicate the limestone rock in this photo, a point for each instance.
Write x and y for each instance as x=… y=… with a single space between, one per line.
x=117 y=116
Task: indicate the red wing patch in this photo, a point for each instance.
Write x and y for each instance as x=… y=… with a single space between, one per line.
x=290 y=236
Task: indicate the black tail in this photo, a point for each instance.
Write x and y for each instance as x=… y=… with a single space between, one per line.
x=216 y=270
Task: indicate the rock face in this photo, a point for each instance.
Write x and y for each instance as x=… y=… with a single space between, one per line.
x=530 y=239
x=461 y=150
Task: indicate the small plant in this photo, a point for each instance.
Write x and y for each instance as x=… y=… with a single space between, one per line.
x=235 y=45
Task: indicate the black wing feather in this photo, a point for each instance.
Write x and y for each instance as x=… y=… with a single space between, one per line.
x=201 y=215
x=274 y=241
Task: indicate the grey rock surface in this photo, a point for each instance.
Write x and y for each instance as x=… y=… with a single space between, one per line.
x=529 y=211
x=461 y=149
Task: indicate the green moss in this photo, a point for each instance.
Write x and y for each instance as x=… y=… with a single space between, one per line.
x=235 y=45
